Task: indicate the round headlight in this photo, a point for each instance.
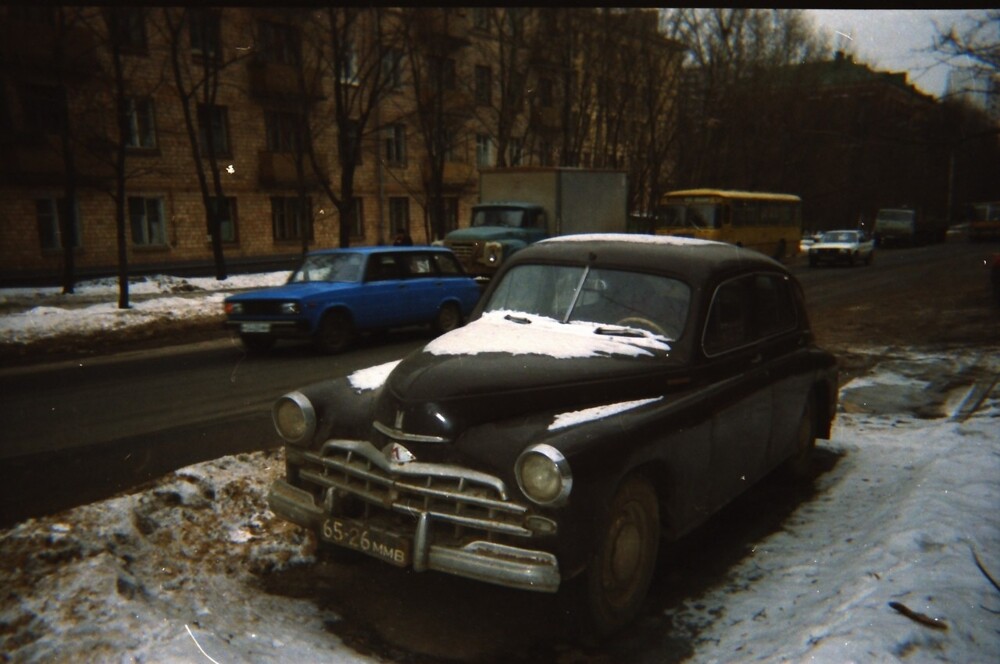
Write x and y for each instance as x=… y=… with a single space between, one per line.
x=294 y=418
x=290 y=308
x=543 y=475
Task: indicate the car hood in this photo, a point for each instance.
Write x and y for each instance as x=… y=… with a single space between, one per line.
x=494 y=369
x=485 y=234
x=297 y=291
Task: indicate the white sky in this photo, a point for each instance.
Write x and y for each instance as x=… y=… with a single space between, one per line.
x=895 y=39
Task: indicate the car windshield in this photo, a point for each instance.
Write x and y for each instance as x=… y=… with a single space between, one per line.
x=840 y=236
x=616 y=298
x=895 y=215
x=329 y=267
x=512 y=217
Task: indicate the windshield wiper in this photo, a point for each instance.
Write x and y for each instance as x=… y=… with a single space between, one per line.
x=517 y=319
x=620 y=332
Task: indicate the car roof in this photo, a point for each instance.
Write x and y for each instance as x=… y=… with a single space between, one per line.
x=697 y=259
x=380 y=249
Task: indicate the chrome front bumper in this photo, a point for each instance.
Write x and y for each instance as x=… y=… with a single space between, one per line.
x=489 y=562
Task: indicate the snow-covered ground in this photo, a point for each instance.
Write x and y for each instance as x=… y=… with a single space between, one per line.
x=891 y=561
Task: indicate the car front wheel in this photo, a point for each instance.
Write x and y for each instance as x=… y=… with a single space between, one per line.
x=448 y=318
x=336 y=332
x=621 y=568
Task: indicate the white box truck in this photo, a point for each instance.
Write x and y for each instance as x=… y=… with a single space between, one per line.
x=520 y=206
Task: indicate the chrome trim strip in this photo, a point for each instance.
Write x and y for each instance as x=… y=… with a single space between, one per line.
x=413 y=469
x=397 y=434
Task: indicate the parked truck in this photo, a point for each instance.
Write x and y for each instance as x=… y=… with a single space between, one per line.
x=907 y=226
x=520 y=206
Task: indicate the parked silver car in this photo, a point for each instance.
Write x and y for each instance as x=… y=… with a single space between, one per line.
x=848 y=247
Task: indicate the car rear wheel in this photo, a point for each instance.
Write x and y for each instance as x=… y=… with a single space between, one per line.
x=336 y=332
x=621 y=568
x=257 y=343
x=448 y=318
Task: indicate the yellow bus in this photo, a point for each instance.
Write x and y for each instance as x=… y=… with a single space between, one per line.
x=769 y=223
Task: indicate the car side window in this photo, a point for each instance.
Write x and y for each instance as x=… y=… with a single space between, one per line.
x=382 y=267
x=774 y=308
x=447 y=264
x=418 y=265
x=729 y=319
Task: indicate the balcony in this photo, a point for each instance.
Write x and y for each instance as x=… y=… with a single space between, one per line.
x=277 y=169
x=270 y=80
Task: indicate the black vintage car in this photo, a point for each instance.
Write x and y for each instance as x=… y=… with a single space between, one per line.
x=609 y=391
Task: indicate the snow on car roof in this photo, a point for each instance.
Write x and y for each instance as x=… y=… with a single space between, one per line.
x=673 y=240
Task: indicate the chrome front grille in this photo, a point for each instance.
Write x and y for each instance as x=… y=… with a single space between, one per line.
x=447 y=494
x=464 y=250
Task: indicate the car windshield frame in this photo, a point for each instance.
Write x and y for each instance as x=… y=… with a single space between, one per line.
x=507 y=217
x=602 y=296
x=347 y=267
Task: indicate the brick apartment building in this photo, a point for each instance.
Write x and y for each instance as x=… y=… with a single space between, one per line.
x=64 y=72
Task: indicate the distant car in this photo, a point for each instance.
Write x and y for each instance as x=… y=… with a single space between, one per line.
x=848 y=247
x=609 y=390
x=337 y=293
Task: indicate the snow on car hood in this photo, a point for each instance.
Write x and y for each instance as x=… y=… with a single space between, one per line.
x=495 y=332
x=494 y=369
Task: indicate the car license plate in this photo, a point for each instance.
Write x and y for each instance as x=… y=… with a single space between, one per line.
x=375 y=542
x=255 y=328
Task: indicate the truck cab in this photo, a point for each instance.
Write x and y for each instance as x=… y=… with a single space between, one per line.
x=497 y=230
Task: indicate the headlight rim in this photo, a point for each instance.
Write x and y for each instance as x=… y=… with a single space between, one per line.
x=562 y=466
x=308 y=414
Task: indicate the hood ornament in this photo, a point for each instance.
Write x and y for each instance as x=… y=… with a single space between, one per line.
x=397 y=454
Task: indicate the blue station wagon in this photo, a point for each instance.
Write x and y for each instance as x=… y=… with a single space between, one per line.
x=337 y=293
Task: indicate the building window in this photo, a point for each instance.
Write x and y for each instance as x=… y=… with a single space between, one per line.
x=351 y=145
x=481 y=18
x=146 y=220
x=399 y=215
x=282 y=128
x=141 y=126
x=49 y=212
x=546 y=153
x=355 y=219
x=289 y=219
x=224 y=207
x=279 y=44
x=128 y=28
x=450 y=206
x=442 y=73
x=213 y=129
x=205 y=30
x=349 y=65
x=484 y=85
x=545 y=92
x=45 y=109
x=395 y=145
x=515 y=150
x=484 y=151
x=392 y=64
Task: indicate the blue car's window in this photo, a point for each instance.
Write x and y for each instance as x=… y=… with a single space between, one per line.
x=383 y=267
x=608 y=297
x=447 y=264
x=329 y=267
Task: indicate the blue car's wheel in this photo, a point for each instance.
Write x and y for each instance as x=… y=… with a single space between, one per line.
x=448 y=318
x=336 y=332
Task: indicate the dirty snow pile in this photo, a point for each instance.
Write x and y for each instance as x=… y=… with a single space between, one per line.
x=46 y=312
x=895 y=558
x=162 y=575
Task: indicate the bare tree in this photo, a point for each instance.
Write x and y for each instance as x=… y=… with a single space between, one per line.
x=434 y=38
x=197 y=30
x=975 y=48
